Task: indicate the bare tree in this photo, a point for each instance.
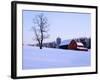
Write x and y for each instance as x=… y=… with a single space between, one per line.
x=40 y=28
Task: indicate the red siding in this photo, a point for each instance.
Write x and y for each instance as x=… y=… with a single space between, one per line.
x=72 y=45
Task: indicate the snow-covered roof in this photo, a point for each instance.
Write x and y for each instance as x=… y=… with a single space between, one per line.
x=81 y=48
x=79 y=44
x=65 y=42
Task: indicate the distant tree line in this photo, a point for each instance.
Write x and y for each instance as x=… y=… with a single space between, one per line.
x=48 y=45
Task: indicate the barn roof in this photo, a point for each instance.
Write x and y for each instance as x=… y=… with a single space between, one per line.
x=79 y=44
x=65 y=42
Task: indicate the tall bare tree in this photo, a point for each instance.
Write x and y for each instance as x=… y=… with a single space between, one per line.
x=40 y=28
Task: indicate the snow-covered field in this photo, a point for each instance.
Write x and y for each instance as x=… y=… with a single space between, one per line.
x=35 y=58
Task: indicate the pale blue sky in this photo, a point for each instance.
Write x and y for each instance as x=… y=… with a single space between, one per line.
x=64 y=25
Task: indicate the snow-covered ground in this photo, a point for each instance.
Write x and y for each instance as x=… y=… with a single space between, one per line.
x=35 y=58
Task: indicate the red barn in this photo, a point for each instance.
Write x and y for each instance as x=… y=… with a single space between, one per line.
x=77 y=46
x=74 y=45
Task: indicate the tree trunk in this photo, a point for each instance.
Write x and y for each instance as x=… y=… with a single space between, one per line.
x=41 y=45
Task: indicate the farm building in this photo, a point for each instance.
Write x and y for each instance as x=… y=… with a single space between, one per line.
x=64 y=44
x=72 y=44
